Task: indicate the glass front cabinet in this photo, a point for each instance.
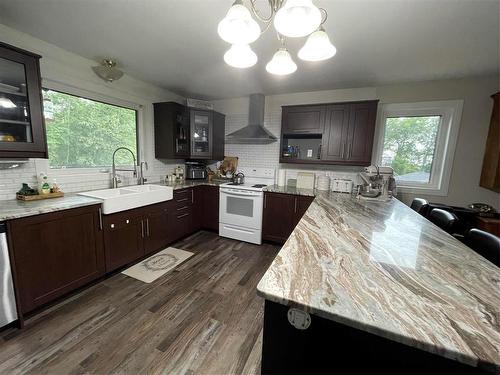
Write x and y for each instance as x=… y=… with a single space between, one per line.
x=201 y=133
x=22 y=128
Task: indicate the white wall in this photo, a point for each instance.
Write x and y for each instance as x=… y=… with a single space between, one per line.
x=464 y=183
x=62 y=69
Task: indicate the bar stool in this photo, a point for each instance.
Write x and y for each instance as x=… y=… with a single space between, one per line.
x=443 y=219
x=420 y=205
x=485 y=244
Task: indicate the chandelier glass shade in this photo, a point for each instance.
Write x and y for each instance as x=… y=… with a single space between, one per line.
x=238 y=27
x=291 y=18
x=282 y=63
x=240 y=56
x=318 y=47
x=297 y=18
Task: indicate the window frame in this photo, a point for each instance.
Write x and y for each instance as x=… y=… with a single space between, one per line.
x=446 y=141
x=101 y=98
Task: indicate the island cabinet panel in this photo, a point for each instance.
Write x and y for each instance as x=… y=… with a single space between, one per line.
x=282 y=212
x=303 y=119
x=55 y=253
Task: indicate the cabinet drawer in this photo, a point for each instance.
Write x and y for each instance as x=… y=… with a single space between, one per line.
x=183 y=197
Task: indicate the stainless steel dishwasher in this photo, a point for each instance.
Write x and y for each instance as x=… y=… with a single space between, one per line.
x=8 y=311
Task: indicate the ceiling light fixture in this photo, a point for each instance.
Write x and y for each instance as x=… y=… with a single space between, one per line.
x=240 y=56
x=108 y=70
x=291 y=18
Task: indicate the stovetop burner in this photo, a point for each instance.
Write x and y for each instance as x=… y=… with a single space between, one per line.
x=234 y=184
x=259 y=185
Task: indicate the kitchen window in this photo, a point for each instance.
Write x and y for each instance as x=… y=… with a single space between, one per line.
x=418 y=141
x=83 y=133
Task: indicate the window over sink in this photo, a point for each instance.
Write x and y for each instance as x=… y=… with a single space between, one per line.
x=83 y=133
x=418 y=141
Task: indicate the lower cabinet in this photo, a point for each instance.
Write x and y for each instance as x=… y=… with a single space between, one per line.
x=282 y=212
x=55 y=253
x=206 y=207
x=129 y=235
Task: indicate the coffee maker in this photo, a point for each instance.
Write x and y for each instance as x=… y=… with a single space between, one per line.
x=196 y=170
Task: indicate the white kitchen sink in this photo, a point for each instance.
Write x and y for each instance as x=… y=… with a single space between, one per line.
x=126 y=198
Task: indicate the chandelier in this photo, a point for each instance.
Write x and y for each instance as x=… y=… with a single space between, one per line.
x=291 y=18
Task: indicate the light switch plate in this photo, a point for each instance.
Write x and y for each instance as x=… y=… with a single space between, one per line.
x=309 y=153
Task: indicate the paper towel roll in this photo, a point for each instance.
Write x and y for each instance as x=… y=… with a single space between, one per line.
x=281 y=177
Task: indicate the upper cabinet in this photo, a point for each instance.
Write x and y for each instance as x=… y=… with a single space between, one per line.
x=303 y=119
x=329 y=133
x=22 y=128
x=188 y=133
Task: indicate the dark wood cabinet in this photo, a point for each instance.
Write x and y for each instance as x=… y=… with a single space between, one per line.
x=282 y=212
x=188 y=133
x=132 y=234
x=345 y=131
x=22 y=126
x=172 y=134
x=206 y=207
x=55 y=253
x=335 y=136
x=123 y=238
x=181 y=215
x=156 y=233
x=303 y=119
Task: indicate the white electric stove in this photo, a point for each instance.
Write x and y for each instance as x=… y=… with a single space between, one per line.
x=241 y=206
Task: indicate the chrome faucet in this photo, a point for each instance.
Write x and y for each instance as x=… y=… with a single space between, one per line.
x=141 y=180
x=115 y=180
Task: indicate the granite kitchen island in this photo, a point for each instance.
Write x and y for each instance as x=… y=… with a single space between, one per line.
x=386 y=291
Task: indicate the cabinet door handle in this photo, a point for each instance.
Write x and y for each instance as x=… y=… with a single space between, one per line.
x=100 y=218
x=192 y=195
x=265 y=200
x=295 y=207
x=182 y=200
x=147 y=228
x=182 y=208
x=301 y=131
x=181 y=216
x=142 y=228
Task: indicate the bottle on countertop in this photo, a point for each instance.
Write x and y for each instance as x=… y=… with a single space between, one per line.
x=44 y=184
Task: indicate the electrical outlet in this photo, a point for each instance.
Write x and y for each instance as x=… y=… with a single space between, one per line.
x=309 y=153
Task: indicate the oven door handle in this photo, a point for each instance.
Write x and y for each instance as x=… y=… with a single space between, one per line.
x=241 y=194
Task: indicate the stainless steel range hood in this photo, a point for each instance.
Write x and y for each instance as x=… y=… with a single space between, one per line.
x=254 y=133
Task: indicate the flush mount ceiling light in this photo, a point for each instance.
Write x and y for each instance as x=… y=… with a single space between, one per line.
x=108 y=70
x=291 y=18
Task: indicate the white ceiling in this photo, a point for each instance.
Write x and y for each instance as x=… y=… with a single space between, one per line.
x=174 y=43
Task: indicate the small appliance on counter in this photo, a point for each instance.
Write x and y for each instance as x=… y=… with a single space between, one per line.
x=341 y=185
x=379 y=183
x=196 y=171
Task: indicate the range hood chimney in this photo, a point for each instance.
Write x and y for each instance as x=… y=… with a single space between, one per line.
x=254 y=133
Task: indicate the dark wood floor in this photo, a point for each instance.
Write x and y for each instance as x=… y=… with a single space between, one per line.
x=204 y=317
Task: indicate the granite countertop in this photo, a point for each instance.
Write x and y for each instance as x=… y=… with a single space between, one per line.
x=382 y=268
x=290 y=190
x=190 y=183
x=15 y=209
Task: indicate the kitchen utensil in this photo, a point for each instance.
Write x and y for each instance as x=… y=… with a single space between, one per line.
x=239 y=178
